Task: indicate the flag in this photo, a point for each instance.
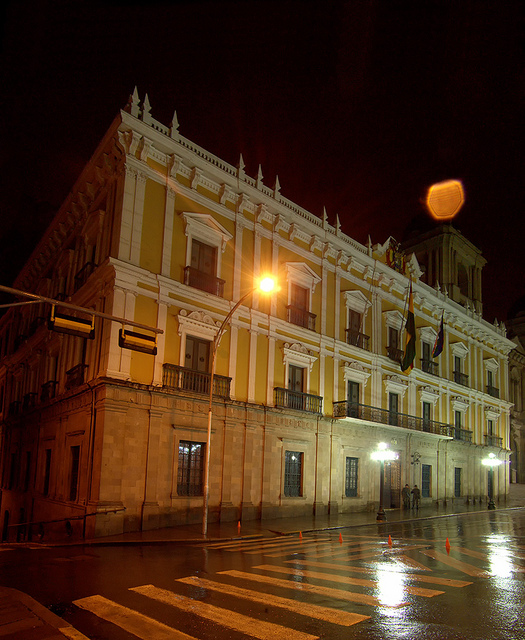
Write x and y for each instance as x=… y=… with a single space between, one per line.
x=438 y=344
x=407 y=363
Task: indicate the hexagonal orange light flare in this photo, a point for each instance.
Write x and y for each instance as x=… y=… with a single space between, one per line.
x=445 y=199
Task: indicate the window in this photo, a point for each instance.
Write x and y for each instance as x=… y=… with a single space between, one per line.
x=393 y=337
x=293 y=474
x=426 y=475
x=351 y=477
x=457 y=482
x=298 y=309
x=203 y=258
x=13 y=470
x=73 y=474
x=190 y=469
x=47 y=472
x=427 y=416
x=302 y=281
x=353 y=399
x=27 y=473
x=490 y=427
x=197 y=354
x=355 y=337
x=296 y=376
x=458 y=425
x=393 y=407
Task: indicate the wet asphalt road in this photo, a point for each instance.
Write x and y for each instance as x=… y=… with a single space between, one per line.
x=317 y=586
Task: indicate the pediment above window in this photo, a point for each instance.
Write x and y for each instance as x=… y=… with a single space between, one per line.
x=491 y=364
x=394 y=319
x=298 y=355
x=300 y=273
x=459 y=349
x=460 y=404
x=394 y=384
x=205 y=228
x=428 y=334
x=355 y=372
x=492 y=413
x=429 y=394
x=357 y=301
x=197 y=323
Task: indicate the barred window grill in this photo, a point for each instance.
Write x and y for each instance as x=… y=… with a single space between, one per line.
x=293 y=463
x=190 y=469
x=351 y=477
x=425 y=480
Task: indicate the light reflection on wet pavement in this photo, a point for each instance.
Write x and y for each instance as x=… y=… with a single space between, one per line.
x=399 y=581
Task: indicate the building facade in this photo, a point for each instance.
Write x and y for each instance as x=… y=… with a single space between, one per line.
x=99 y=439
x=516 y=330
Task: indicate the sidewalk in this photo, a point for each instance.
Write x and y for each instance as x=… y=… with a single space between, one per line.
x=22 y=618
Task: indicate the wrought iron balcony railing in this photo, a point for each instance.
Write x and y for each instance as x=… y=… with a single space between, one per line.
x=462 y=434
x=203 y=281
x=29 y=400
x=394 y=353
x=183 y=379
x=492 y=391
x=493 y=441
x=76 y=376
x=346 y=409
x=48 y=390
x=461 y=378
x=301 y=317
x=357 y=339
x=288 y=399
x=429 y=366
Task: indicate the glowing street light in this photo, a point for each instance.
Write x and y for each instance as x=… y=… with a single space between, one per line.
x=264 y=285
x=491 y=462
x=383 y=453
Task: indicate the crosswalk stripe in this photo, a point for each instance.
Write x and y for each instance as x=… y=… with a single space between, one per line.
x=339 y=594
x=359 y=582
x=298 y=544
x=449 y=582
x=410 y=562
x=335 y=616
x=464 y=567
x=230 y=619
x=486 y=556
x=136 y=623
x=332 y=554
x=372 y=554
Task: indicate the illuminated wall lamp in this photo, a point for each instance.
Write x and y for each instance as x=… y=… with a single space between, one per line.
x=62 y=323
x=138 y=342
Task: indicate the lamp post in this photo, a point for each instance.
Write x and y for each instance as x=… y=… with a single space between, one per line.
x=265 y=285
x=491 y=462
x=382 y=453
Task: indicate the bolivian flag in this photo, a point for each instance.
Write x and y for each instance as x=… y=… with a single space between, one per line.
x=407 y=363
x=438 y=344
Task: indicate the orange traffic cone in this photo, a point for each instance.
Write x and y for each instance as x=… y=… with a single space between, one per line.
x=300 y=535
x=389 y=541
x=340 y=538
x=447 y=545
x=239 y=527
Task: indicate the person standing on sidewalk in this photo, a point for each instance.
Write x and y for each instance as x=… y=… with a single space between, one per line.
x=416 y=494
x=406 y=496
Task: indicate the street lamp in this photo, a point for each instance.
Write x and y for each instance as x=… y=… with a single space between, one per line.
x=265 y=285
x=382 y=453
x=491 y=462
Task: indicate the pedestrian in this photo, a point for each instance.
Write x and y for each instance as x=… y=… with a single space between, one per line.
x=406 y=496
x=416 y=494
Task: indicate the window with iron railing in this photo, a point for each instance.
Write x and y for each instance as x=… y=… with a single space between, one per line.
x=293 y=474
x=288 y=399
x=190 y=471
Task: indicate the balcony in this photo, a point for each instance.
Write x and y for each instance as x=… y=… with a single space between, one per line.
x=461 y=378
x=429 y=366
x=75 y=376
x=29 y=401
x=203 y=281
x=48 y=390
x=183 y=379
x=493 y=441
x=288 y=399
x=347 y=409
x=301 y=317
x=492 y=391
x=394 y=354
x=462 y=434
x=83 y=274
x=357 y=339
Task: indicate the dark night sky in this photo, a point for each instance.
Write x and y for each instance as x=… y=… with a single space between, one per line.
x=358 y=106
